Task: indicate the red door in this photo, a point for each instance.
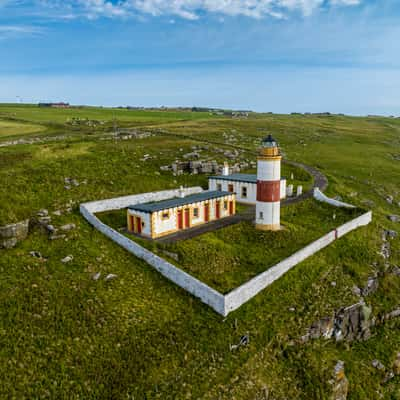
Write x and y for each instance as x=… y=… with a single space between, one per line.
x=139 y=225
x=217 y=209
x=187 y=218
x=231 y=208
x=180 y=219
x=132 y=223
x=206 y=212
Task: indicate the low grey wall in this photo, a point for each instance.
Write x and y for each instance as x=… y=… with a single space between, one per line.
x=197 y=288
x=244 y=293
x=318 y=195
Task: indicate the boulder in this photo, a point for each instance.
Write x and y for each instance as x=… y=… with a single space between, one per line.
x=340 y=383
x=371 y=286
x=68 y=227
x=394 y=218
x=11 y=234
x=67 y=259
x=396 y=365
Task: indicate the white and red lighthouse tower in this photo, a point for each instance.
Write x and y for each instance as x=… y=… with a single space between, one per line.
x=268 y=205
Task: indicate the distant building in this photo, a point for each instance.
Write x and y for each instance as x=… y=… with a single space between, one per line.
x=157 y=219
x=54 y=105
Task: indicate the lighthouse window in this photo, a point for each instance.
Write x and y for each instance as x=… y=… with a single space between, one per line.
x=261 y=215
x=244 y=191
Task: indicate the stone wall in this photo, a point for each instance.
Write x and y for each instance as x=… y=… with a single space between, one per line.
x=318 y=195
x=197 y=288
x=245 y=292
x=221 y=304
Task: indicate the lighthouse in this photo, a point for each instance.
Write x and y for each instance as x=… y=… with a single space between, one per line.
x=268 y=205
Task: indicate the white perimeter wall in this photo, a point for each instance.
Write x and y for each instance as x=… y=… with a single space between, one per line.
x=318 y=195
x=220 y=303
x=197 y=288
x=244 y=293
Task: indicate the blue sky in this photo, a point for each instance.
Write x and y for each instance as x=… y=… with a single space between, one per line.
x=264 y=55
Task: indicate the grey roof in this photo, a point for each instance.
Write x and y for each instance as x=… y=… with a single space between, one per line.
x=178 y=201
x=249 y=178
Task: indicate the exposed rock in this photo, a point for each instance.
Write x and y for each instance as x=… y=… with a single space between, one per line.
x=36 y=254
x=42 y=213
x=191 y=155
x=396 y=365
x=110 y=277
x=350 y=323
x=356 y=291
x=11 y=234
x=174 y=256
x=371 y=286
x=244 y=341
x=389 y=199
x=55 y=237
x=96 y=276
x=67 y=259
x=44 y=220
x=390 y=234
x=378 y=365
x=393 y=314
x=68 y=227
x=394 y=218
x=340 y=383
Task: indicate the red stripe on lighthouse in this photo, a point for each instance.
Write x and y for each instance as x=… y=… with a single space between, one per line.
x=268 y=191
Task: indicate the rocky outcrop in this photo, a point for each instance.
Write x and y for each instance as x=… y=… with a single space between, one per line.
x=340 y=383
x=11 y=234
x=350 y=323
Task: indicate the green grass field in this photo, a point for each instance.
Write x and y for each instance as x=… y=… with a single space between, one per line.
x=8 y=128
x=64 y=335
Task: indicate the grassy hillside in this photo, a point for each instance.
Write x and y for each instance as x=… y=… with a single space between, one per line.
x=65 y=335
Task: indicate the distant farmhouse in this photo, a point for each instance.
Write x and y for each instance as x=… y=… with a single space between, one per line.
x=54 y=105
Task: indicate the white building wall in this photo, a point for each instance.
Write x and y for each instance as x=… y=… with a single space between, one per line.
x=163 y=226
x=146 y=221
x=237 y=187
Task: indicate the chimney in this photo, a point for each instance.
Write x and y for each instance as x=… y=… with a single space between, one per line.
x=225 y=169
x=181 y=192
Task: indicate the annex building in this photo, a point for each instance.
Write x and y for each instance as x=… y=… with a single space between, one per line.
x=244 y=185
x=157 y=219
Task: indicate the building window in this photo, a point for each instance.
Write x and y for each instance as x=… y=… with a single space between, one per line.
x=225 y=205
x=244 y=191
x=230 y=188
x=219 y=187
x=165 y=215
x=195 y=212
x=261 y=215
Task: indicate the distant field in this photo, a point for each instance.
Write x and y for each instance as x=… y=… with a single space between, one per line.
x=61 y=115
x=8 y=128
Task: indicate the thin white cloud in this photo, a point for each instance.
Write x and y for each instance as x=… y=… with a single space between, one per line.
x=186 y=9
x=7 y=31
